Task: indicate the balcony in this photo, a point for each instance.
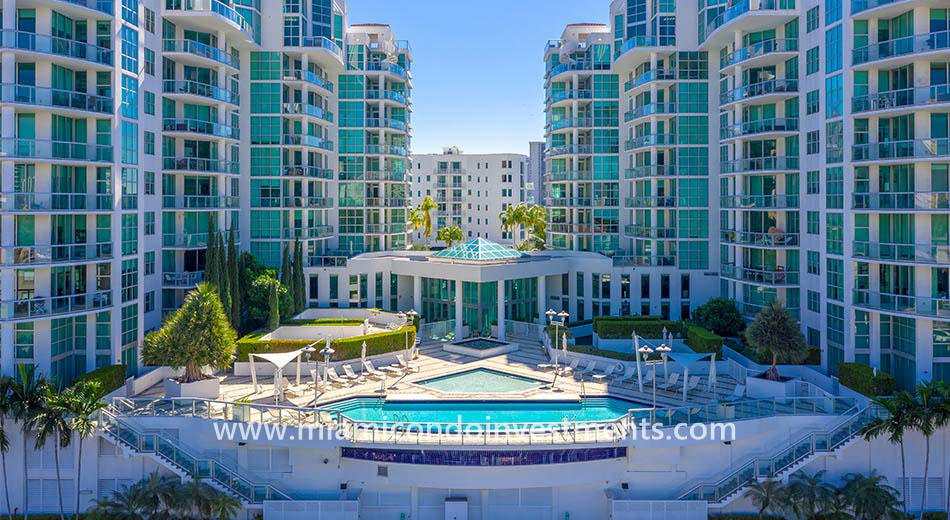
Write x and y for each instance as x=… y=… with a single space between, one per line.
x=650 y=109
x=925 y=149
x=750 y=310
x=572 y=176
x=648 y=77
x=45 y=307
x=308 y=110
x=644 y=261
x=55 y=98
x=650 y=201
x=570 y=122
x=916 y=306
x=391 y=68
x=732 y=14
x=386 y=202
x=449 y=213
x=311 y=232
x=202 y=90
x=449 y=198
x=568 y=202
x=650 y=170
x=918 y=254
x=644 y=141
x=308 y=202
x=389 y=95
x=384 y=176
x=907 y=98
x=197 y=126
x=779 y=48
x=387 y=149
x=200 y=202
x=56 y=47
x=105 y=7
x=307 y=76
x=574 y=66
x=185 y=240
x=771 y=277
x=312 y=172
x=33 y=256
x=563 y=227
x=183 y=280
x=57 y=151
x=206 y=13
x=387 y=122
x=763 y=126
x=569 y=95
x=754 y=202
x=385 y=229
x=310 y=141
x=570 y=149
x=324 y=43
x=901 y=47
x=758 y=239
x=913 y=201
x=201 y=165
x=21 y=202
x=760 y=164
x=201 y=51
x=781 y=87
x=448 y=171
x=448 y=184
x=638 y=231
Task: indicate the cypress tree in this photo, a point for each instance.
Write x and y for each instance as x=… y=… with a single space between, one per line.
x=273 y=307
x=286 y=275
x=300 y=303
x=237 y=299
x=211 y=264
x=224 y=277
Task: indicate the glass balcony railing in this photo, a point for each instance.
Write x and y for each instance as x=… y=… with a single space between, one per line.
x=54 y=254
x=202 y=50
x=195 y=88
x=183 y=280
x=387 y=149
x=570 y=149
x=46 y=44
x=567 y=202
x=640 y=42
x=309 y=77
x=650 y=170
x=908 y=97
x=185 y=240
x=752 y=202
x=750 y=310
x=923 y=306
x=450 y=198
x=311 y=141
x=197 y=126
x=306 y=109
x=762 y=126
x=384 y=176
x=563 y=227
x=322 y=42
x=309 y=232
x=565 y=95
x=644 y=261
x=23 y=148
x=386 y=229
x=759 y=238
x=639 y=231
x=392 y=68
x=571 y=176
x=201 y=165
x=574 y=66
x=29 y=202
x=308 y=171
x=759 y=49
x=570 y=122
x=448 y=184
x=51 y=97
x=650 y=109
x=307 y=202
x=218 y=8
x=762 y=88
x=46 y=306
x=387 y=122
x=103 y=6
x=648 y=76
x=651 y=201
x=927 y=254
x=386 y=202
x=390 y=95
x=649 y=140
x=858 y=6
x=916 y=44
x=910 y=149
x=757 y=164
x=740 y=8
x=200 y=202
x=774 y=276
x=914 y=201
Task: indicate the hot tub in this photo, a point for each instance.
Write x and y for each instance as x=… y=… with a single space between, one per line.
x=480 y=347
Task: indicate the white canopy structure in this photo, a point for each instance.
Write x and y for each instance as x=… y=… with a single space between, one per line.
x=686 y=359
x=280 y=360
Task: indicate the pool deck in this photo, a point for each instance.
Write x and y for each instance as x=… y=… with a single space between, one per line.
x=433 y=361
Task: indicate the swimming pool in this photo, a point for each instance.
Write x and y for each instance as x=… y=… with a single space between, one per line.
x=373 y=409
x=481 y=381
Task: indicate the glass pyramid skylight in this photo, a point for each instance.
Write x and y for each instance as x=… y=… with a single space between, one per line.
x=479 y=250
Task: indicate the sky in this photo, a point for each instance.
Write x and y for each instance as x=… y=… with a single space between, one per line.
x=478 y=66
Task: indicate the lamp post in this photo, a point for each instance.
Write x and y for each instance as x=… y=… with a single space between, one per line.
x=326 y=352
x=308 y=351
x=646 y=351
x=411 y=315
x=663 y=350
x=563 y=315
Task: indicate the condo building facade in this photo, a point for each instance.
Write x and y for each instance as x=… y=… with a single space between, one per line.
x=534 y=183
x=470 y=191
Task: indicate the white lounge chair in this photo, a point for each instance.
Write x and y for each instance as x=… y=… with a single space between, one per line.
x=371 y=370
x=336 y=378
x=589 y=369
x=609 y=370
x=405 y=364
x=350 y=373
x=570 y=368
x=692 y=384
x=671 y=382
x=737 y=393
x=651 y=375
x=292 y=390
x=626 y=375
x=317 y=380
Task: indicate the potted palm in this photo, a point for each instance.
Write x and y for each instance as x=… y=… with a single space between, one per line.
x=197 y=336
x=775 y=334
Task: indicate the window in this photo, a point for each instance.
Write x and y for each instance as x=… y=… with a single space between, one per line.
x=811 y=61
x=130 y=49
x=149 y=20
x=835 y=286
x=812 y=142
x=833 y=49
x=813 y=182
x=149 y=62
x=149 y=143
x=150 y=301
x=150 y=103
x=812 y=19
x=834 y=102
x=812 y=222
x=814 y=263
x=130 y=11
x=149 y=262
x=834 y=226
x=834 y=177
x=130 y=97
x=832 y=12
x=149 y=222
x=814 y=301
x=812 y=102
x=149 y=183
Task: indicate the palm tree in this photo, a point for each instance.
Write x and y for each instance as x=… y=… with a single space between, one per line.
x=894 y=422
x=809 y=494
x=450 y=235
x=870 y=497
x=29 y=398
x=926 y=407
x=223 y=506
x=765 y=495
x=52 y=423
x=195 y=497
x=129 y=503
x=83 y=401
x=942 y=417
x=6 y=402
x=417 y=218
x=161 y=494
x=426 y=207
x=537 y=221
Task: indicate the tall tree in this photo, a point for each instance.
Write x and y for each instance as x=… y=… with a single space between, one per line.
x=450 y=235
x=426 y=207
x=287 y=274
x=29 y=397
x=300 y=289
x=273 y=306
x=224 y=277
x=776 y=333
x=211 y=251
x=6 y=403
x=52 y=423
x=83 y=400
x=237 y=297
x=765 y=495
x=925 y=417
x=197 y=335
x=894 y=423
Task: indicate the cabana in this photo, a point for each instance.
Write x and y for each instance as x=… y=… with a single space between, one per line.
x=685 y=359
x=280 y=360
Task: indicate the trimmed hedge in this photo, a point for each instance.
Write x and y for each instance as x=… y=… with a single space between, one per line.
x=620 y=356
x=345 y=348
x=861 y=378
x=702 y=341
x=110 y=378
x=621 y=327
x=550 y=329
x=935 y=515
x=324 y=322
x=744 y=516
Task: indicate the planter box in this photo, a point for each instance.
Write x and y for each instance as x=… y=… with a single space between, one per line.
x=204 y=389
x=759 y=387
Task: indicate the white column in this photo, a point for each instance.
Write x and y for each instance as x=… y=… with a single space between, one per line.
x=417 y=293
x=542 y=299
x=387 y=291
x=371 y=290
x=459 y=308
x=501 y=309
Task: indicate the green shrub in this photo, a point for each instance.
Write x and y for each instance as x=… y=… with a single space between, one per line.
x=935 y=515
x=814 y=355
x=551 y=330
x=744 y=516
x=861 y=378
x=701 y=340
x=621 y=327
x=621 y=356
x=110 y=378
x=345 y=348
x=324 y=322
x=721 y=316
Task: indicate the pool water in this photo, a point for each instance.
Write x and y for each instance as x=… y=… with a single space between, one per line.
x=480 y=343
x=483 y=412
x=481 y=381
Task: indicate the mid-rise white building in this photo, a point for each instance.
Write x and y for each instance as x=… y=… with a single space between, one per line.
x=534 y=183
x=470 y=190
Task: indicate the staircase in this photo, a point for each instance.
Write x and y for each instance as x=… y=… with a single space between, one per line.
x=785 y=462
x=173 y=456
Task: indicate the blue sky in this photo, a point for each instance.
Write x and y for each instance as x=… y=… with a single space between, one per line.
x=478 y=67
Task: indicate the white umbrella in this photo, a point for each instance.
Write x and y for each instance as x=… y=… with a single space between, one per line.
x=636 y=355
x=365 y=325
x=712 y=372
x=363 y=358
x=564 y=342
x=664 y=333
